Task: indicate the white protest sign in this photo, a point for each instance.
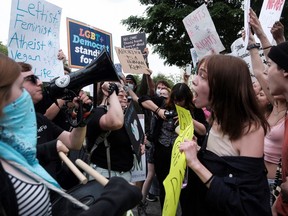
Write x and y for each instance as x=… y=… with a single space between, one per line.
x=34 y=36
x=202 y=32
x=132 y=61
x=270 y=13
x=238 y=49
x=246 y=22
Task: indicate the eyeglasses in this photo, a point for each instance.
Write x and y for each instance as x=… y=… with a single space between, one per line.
x=32 y=78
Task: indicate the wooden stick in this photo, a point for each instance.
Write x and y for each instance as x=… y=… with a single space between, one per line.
x=73 y=168
x=98 y=177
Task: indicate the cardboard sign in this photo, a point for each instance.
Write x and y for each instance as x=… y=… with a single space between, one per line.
x=202 y=32
x=134 y=130
x=132 y=61
x=85 y=43
x=34 y=37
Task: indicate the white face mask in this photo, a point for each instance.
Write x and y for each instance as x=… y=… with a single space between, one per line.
x=131 y=86
x=158 y=92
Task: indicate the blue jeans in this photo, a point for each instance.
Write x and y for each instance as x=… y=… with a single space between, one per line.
x=105 y=172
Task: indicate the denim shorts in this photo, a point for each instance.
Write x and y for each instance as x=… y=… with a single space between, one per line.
x=105 y=172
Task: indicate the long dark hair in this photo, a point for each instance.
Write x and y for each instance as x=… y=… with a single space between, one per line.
x=181 y=92
x=232 y=97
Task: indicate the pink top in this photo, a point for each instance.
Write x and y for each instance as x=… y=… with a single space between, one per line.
x=273 y=142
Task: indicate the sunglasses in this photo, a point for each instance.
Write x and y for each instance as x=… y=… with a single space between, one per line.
x=32 y=78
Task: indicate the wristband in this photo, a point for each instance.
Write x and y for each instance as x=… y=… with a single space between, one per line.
x=209 y=180
x=157 y=110
x=253 y=46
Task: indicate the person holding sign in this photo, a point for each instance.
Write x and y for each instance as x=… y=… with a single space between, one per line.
x=230 y=175
x=25 y=185
x=163 y=134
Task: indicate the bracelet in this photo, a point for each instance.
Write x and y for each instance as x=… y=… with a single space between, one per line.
x=157 y=110
x=264 y=48
x=253 y=46
x=209 y=180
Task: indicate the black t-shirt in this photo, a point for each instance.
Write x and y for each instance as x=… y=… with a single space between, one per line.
x=47 y=133
x=46 y=129
x=120 y=146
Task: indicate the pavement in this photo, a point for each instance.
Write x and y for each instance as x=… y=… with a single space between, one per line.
x=154 y=209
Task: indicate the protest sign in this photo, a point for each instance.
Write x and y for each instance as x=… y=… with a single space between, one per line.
x=85 y=43
x=174 y=180
x=246 y=22
x=202 y=32
x=134 y=41
x=132 y=61
x=238 y=49
x=34 y=37
x=270 y=13
x=138 y=171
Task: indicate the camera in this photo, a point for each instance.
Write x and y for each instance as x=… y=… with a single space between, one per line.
x=169 y=114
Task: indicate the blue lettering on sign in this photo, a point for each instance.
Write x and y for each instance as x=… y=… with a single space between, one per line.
x=40 y=12
x=23 y=44
x=18 y=56
x=45 y=73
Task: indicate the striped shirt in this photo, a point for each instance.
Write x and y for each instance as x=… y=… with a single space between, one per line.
x=32 y=198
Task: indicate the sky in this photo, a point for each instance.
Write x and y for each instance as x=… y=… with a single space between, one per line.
x=105 y=15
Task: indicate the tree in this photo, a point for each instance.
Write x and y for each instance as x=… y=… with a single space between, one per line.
x=3 y=48
x=166 y=31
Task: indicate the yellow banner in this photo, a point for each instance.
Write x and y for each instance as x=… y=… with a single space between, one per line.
x=174 y=180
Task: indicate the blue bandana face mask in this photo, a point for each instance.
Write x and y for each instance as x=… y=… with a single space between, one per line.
x=18 y=135
x=18 y=126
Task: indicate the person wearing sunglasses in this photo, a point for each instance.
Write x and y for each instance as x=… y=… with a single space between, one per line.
x=50 y=137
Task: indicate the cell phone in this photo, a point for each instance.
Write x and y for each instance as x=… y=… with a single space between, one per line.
x=188 y=69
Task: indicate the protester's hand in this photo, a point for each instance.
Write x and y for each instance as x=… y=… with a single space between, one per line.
x=186 y=77
x=277 y=31
x=190 y=149
x=61 y=56
x=61 y=147
x=142 y=148
x=82 y=97
x=255 y=24
x=161 y=113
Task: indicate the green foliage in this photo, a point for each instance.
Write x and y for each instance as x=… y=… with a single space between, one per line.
x=163 y=77
x=166 y=32
x=3 y=48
